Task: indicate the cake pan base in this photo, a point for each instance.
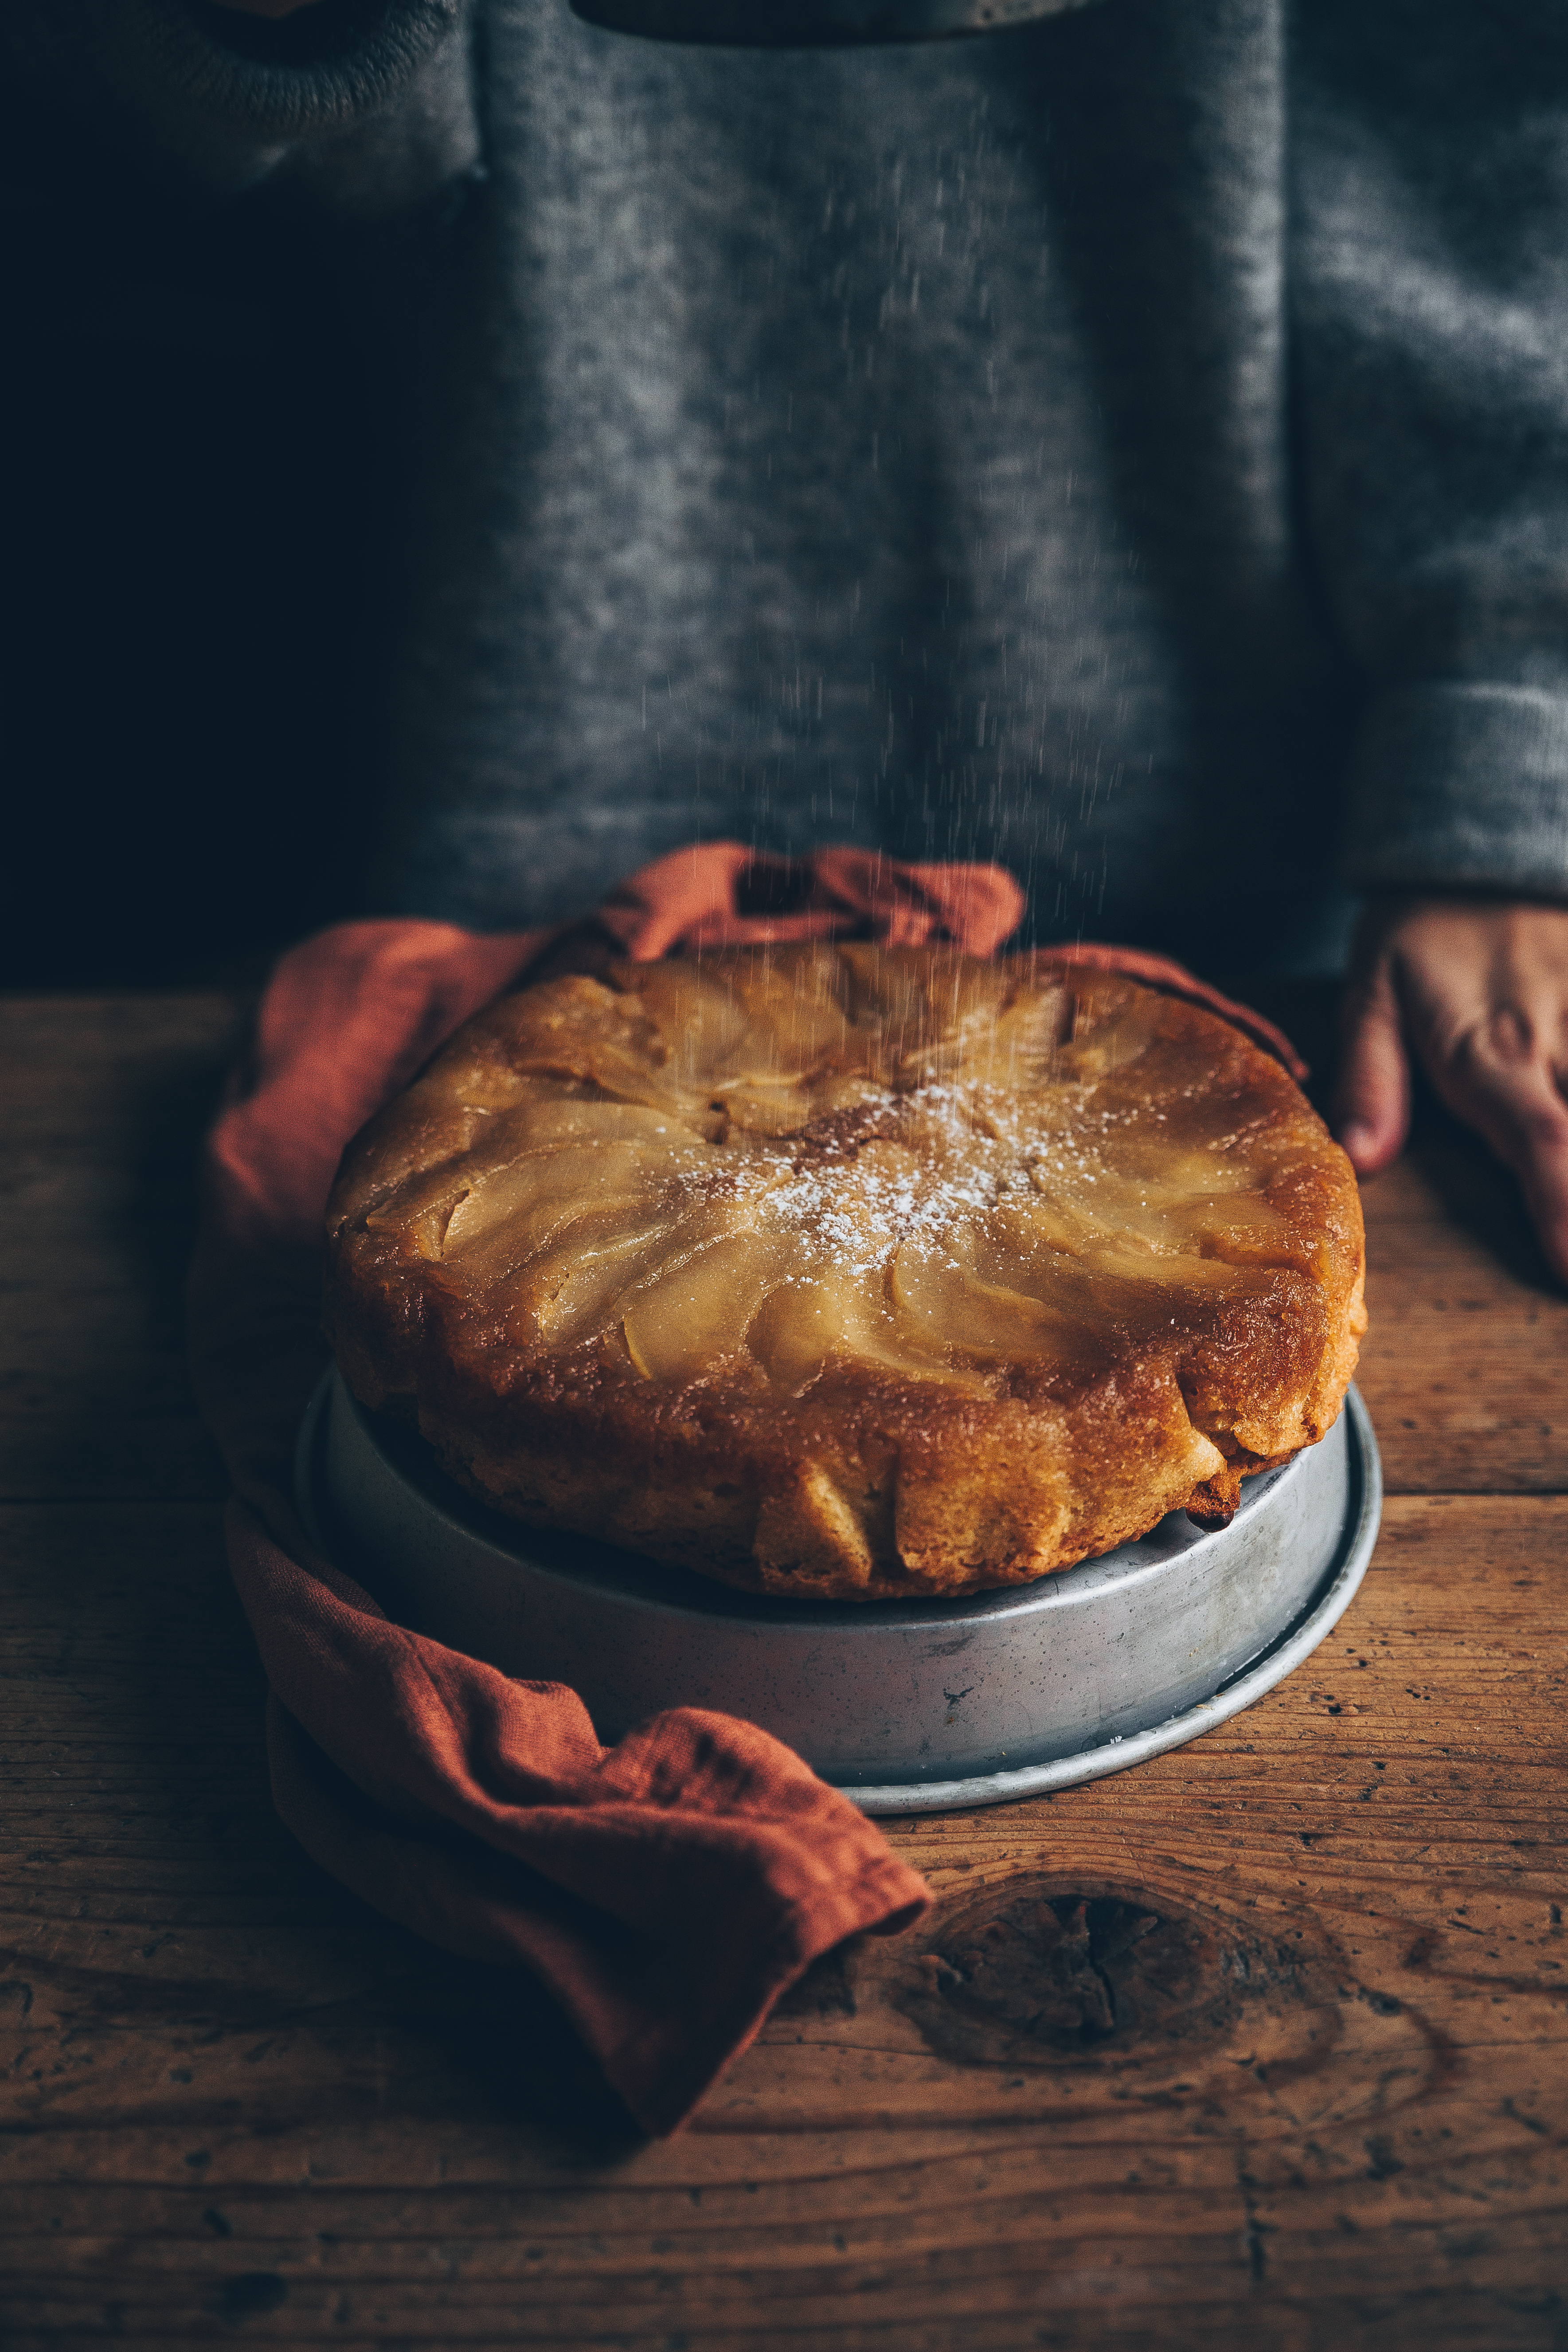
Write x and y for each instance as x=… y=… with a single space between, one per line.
x=908 y=1708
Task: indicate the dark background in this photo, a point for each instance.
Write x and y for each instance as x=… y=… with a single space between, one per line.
x=189 y=573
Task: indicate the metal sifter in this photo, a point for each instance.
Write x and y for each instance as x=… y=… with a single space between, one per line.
x=813 y=24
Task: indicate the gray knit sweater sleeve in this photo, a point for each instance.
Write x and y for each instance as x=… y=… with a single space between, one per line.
x=1430 y=293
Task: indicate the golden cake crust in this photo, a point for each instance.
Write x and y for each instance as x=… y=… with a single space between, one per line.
x=850 y=1273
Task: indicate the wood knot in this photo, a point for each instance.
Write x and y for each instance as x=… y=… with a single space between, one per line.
x=1055 y=1972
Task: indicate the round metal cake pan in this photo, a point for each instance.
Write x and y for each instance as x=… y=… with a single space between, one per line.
x=905 y=1706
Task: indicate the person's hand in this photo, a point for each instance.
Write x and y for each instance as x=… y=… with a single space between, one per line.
x=1478 y=989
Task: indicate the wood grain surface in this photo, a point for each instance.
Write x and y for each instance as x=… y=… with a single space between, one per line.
x=1262 y=2045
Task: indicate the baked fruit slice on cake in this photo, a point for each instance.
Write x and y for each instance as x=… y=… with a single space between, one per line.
x=847 y=1272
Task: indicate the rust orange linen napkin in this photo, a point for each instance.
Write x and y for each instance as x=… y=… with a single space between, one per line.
x=668 y=1889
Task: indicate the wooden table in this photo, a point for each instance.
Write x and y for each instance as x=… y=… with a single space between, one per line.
x=1265 y=2045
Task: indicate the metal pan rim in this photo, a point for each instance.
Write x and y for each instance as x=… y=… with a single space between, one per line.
x=1083 y=1585
x=637 y=1592
x=1241 y=1691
